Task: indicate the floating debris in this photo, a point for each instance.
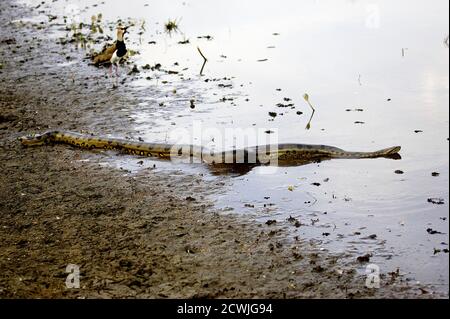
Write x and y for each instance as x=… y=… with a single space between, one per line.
x=8 y=41
x=207 y=37
x=281 y=105
x=371 y=237
x=434 y=232
x=291 y=219
x=171 y=26
x=297 y=256
x=364 y=259
x=436 y=201
x=318 y=269
x=204 y=60
x=438 y=251
x=271 y=222
x=306 y=98
x=134 y=70
x=435 y=174
x=395 y=274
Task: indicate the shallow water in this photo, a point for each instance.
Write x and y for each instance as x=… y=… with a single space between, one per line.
x=385 y=61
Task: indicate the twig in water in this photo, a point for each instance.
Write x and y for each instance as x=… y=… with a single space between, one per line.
x=308 y=126
x=306 y=97
x=204 y=62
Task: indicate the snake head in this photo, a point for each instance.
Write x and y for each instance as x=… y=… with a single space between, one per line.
x=32 y=140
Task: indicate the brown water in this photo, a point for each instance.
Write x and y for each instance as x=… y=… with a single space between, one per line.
x=385 y=61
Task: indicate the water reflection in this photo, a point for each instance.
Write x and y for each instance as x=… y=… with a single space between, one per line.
x=236 y=170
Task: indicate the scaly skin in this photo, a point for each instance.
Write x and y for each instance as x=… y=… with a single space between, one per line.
x=284 y=154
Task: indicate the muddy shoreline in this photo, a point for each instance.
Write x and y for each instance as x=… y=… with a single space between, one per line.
x=145 y=235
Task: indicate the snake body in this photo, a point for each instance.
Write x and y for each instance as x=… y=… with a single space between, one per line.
x=284 y=154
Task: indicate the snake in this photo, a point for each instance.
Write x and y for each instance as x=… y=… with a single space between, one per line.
x=282 y=154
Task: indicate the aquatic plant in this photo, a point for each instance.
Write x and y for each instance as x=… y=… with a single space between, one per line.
x=306 y=97
x=171 y=26
x=205 y=60
x=96 y=21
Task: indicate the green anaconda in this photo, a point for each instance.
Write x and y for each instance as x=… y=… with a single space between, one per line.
x=282 y=154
